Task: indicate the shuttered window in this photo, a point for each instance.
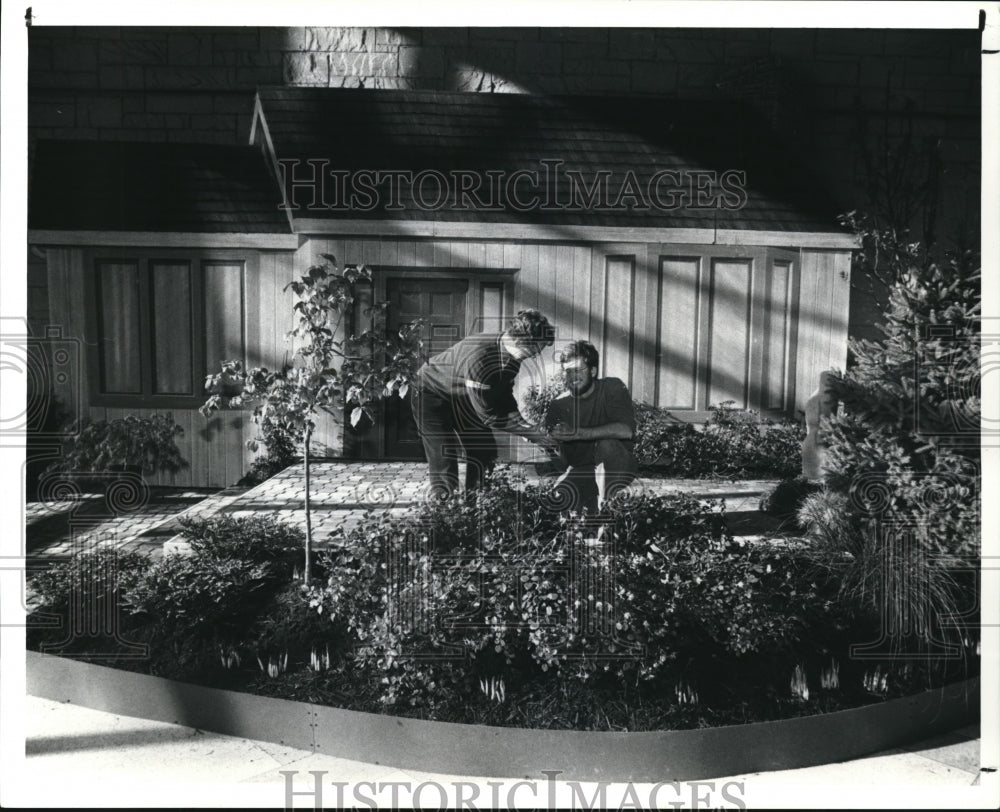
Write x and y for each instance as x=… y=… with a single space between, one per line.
x=160 y=324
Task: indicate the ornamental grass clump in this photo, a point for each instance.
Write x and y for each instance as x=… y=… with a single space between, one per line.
x=784 y=500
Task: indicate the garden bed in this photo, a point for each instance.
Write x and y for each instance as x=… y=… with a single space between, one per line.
x=496 y=610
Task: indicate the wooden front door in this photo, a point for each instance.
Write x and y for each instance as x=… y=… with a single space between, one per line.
x=441 y=303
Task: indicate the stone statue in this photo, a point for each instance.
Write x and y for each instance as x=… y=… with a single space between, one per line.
x=820 y=404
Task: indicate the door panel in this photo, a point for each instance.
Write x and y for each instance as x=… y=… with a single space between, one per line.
x=441 y=302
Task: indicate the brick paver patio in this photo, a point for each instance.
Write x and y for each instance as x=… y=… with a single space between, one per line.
x=341 y=492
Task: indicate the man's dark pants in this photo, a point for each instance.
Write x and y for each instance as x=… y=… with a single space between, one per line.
x=449 y=428
x=578 y=487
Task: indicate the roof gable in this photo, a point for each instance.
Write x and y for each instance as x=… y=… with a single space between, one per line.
x=653 y=162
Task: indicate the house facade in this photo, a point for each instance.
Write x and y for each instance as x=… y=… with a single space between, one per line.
x=678 y=235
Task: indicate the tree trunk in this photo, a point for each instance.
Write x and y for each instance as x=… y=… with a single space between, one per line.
x=307 y=571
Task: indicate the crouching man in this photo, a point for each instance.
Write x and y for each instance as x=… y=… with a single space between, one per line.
x=593 y=423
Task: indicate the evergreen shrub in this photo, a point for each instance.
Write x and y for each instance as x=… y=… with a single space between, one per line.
x=902 y=460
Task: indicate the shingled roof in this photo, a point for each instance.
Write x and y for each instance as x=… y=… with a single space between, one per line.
x=413 y=131
x=140 y=186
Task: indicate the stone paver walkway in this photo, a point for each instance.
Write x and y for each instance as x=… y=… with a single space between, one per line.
x=341 y=493
x=55 y=529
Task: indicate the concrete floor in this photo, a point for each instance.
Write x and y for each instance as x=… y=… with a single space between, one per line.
x=80 y=757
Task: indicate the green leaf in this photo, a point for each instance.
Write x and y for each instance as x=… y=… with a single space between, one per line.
x=356 y=413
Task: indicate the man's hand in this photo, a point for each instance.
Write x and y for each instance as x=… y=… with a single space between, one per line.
x=541 y=438
x=561 y=432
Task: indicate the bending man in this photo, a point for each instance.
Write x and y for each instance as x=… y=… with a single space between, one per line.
x=465 y=392
x=594 y=423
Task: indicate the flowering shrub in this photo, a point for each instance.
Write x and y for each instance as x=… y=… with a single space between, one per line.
x=259 y=539
x=145 y=443
x=436 y=600
x=526 y=592
x=537 y=399
x=664 y=442
x=195 y=595
x=734 y=443
x=280 y=441
x=188 y=606
x=684 y=604
x=103 y=574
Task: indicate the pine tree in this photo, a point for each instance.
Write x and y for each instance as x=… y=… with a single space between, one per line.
x=902 y=473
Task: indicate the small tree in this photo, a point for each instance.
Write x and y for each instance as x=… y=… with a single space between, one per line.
x=333 y=370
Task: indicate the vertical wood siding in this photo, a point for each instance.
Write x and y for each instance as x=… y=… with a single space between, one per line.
x=66 y=286
x=679 y=305
x=619 y=326
x=683 y=326
x=821 y=335
x=729 y=331
x=777 y=305
x=645 y=306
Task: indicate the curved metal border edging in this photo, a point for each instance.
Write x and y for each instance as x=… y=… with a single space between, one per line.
x=458 y=749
